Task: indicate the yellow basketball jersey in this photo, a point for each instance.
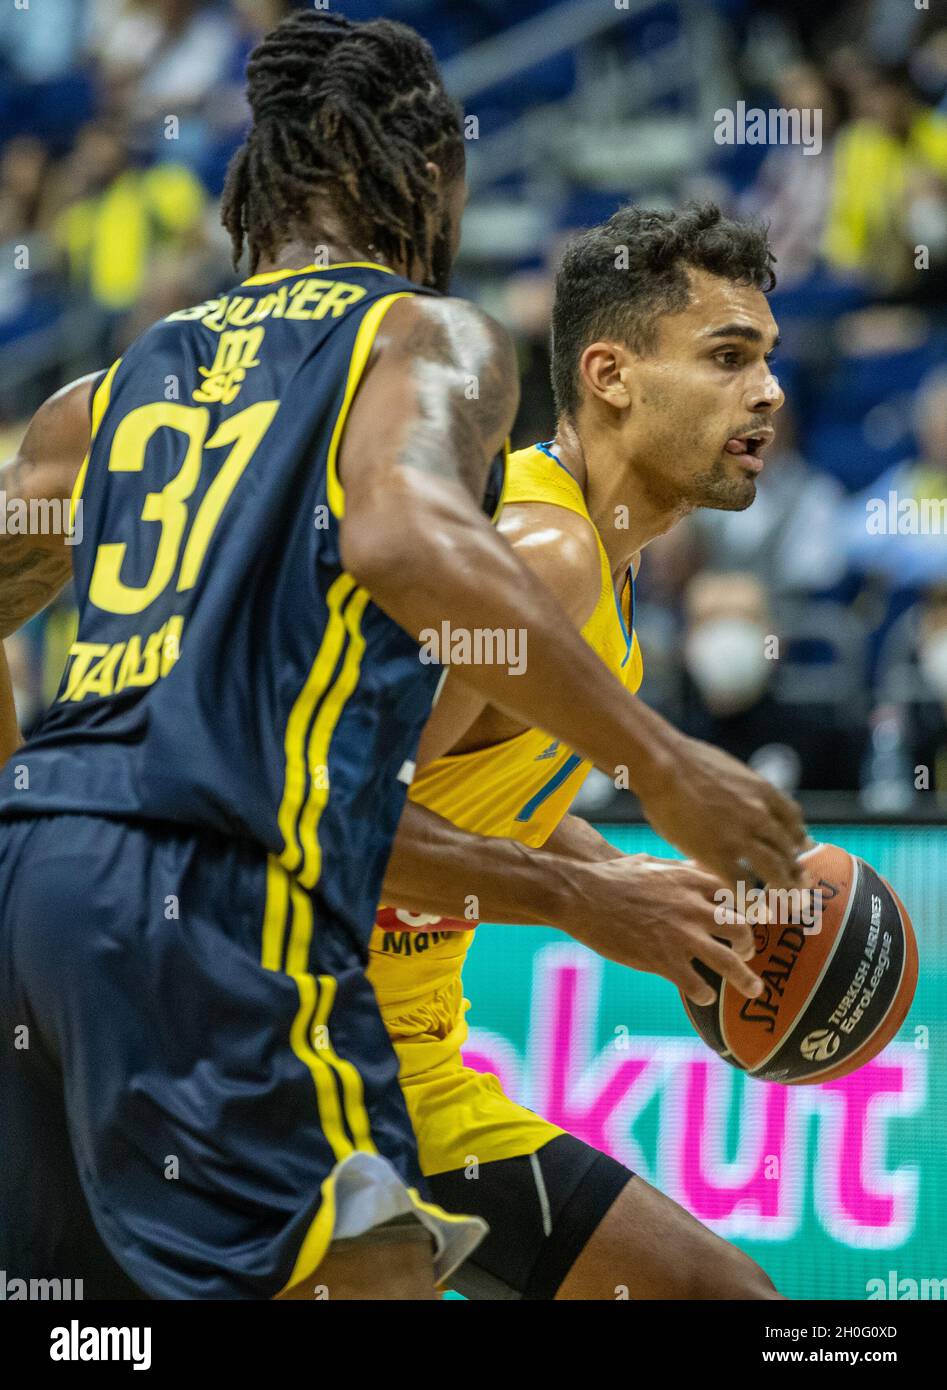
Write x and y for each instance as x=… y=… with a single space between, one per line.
x=519 y=789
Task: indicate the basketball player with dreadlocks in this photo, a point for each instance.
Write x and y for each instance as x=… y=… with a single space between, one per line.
x=282 y=488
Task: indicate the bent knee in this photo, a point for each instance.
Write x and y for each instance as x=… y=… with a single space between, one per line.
x=741 y=1278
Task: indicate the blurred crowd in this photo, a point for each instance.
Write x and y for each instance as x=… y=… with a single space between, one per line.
x=808 y=634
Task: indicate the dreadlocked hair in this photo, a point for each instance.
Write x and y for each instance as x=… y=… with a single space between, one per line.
x=352 y=109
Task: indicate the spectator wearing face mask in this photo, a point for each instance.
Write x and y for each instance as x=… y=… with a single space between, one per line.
x=729 y=657
x=928 y=726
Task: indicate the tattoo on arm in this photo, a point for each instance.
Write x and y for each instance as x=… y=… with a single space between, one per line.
x=464 y=366
x=30 y=577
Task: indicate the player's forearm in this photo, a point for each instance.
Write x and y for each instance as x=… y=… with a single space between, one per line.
x=428 y=562
x=574 y=838
x=32 y=570
x=35 y=559
x=435 y=867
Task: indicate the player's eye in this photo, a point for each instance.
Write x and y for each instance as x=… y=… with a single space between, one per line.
x=729 y=357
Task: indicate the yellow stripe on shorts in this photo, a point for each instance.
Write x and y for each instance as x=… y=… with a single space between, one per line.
x=274 y=916
x=294 y=742
x=281 y=892
x=321 y=737
x=347 y=1072
x=318 y=1036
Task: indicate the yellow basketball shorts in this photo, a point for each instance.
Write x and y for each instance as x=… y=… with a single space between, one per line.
x=542 y=1192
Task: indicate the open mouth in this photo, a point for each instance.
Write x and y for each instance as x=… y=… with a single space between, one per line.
x=749 y=447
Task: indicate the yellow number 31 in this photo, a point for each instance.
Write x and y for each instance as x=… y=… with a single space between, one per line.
x=243 y=431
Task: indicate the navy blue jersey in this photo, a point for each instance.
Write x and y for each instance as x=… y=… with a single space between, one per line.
x=228 y=673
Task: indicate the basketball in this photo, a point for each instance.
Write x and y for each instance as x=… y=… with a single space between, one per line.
x=838 y=979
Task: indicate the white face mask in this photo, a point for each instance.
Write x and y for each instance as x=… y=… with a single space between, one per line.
x=933 y=662
x=726 y=659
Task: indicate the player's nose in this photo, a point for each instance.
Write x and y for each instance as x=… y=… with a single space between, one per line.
x=766 y=396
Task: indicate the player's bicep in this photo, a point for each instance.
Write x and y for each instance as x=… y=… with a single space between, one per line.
x=438 y=398
x=560 y=548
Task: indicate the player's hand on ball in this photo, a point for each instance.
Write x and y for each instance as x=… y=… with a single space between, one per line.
x=716 y=810
x=661 y=915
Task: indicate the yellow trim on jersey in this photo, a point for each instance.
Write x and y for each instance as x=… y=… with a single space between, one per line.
x=504 y=486
x=294 y=743
x=364 y=342
x=269 y=276
x=321 y=737
x=298 y=820
x=274 y=917
x=100 y=401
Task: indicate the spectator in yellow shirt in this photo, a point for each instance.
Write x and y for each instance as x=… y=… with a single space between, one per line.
x=118 y=216
x=889 y=194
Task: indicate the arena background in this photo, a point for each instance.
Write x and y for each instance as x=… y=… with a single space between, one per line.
x=117 y=121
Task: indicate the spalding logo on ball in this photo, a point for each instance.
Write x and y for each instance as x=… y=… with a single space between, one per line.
x=820 y=1045
x=834 y=994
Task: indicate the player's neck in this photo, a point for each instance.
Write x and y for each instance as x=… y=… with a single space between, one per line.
x=622 y=509
x=321 y=248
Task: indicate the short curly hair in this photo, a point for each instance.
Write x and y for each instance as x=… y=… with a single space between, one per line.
x=618 y=279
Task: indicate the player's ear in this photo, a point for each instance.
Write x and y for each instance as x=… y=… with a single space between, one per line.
x=604 y=368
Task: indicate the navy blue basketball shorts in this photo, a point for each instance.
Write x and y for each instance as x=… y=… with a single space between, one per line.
x=197 y=1092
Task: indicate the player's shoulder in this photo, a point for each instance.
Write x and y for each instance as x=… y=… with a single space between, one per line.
x=61 y=425
x=438 y=326
x=561 y=548
x=462 y=359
